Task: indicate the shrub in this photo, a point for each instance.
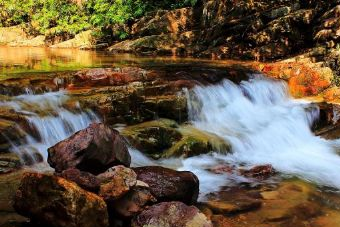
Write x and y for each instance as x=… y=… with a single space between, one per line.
x=66 y=17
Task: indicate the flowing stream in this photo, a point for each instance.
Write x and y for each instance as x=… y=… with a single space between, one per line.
x=265 y=125
x=50 y=120
x=257 y=117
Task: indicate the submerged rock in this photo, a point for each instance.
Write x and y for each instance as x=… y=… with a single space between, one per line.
x=228 y=207
x=94 y=150
x=54 y=201
x=170 y=185
x=116 y=182
x=171 y=214
x=9 y=162
x=262 y=171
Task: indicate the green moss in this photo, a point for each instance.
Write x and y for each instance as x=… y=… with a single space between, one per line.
x=165 y=138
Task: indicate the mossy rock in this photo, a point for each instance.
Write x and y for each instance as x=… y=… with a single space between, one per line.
x=153 y=137
x=165 y=138
x=195 y=142
x=9 y=162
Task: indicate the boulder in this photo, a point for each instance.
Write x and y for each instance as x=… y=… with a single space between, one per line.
x=153 y=138
x=163 y=22
x=12 y=34
x=94 y=150
x=54 y=201
x=163 y=44
x=132 y=203
x=85 y=180
x=164 y=138
x=171 y=214
x=82 y=40
x=116 y=182
x=170 y=185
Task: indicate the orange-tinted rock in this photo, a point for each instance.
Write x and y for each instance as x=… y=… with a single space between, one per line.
x=170 y=185
x=116 y=182
x=108 y=76
x=171 y=214
x=94 y=150
x=303 y=79
x=54 y=201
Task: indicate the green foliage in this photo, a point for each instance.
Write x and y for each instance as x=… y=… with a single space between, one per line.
x=66 y=17
x=44 y=16
x=59 y=16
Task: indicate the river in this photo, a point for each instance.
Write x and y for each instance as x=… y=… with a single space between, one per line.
x=257 y=117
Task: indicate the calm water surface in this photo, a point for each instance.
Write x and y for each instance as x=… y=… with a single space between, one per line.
x=15 y=60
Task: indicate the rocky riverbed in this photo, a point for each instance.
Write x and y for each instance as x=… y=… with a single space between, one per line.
x=148 y=106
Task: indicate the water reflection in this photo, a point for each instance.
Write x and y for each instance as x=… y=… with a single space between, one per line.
x=36 y=59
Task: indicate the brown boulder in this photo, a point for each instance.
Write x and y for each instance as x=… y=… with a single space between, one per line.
x=132 y=203
x=85 y=180
x=94 y=150
x=54 y=201
x=170 y=185
x=171 y=214
x=163 y=22
x=116 y=182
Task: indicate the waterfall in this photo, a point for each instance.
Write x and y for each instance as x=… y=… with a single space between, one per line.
x=264 y=125
x=50 y=120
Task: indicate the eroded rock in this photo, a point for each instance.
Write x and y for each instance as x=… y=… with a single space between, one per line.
x=54 y=201
x=116 y=182
x=94 y=150
x=85 y=180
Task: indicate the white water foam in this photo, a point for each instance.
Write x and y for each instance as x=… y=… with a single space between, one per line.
x=52 y=122
x=264 y=125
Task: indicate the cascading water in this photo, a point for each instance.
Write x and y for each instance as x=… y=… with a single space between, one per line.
x=264 y=126
x=52 y=122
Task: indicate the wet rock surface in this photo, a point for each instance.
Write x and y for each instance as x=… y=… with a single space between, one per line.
x=132 y=203
x=165 y=138
x=94 y=149
x=231 y=29
x=85 y=180
x=9 y=162
x=169 y=185
x=57 y=202
x=172 y=214
x=116 y=182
